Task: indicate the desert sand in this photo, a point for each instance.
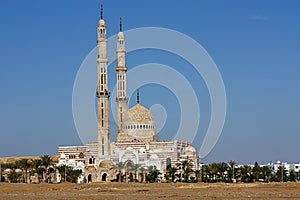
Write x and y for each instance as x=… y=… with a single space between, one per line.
x=152 y=191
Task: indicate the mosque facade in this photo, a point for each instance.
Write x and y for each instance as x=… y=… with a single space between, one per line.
x=137 y=142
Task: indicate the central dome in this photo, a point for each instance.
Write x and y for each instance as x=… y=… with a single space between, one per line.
x=138 y=114
x=139 y=124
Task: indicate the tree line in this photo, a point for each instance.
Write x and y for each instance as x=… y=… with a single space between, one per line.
x=229 y=173
x=43 y=169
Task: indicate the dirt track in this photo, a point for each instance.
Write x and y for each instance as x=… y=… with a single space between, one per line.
x=150 y=191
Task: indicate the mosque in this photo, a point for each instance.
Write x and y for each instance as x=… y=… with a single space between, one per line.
x=137 y=142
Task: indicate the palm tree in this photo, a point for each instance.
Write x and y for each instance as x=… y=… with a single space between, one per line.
x=187 y=168
x=14 y=176
x=143 y=172
x=25 y=164
x=266 y=172
x=120 y=166
x=46 y=162
x=198 y=175
x=256 y=171
x=62 y=169
x=205 y=173
x=36 y=167
x=232 y=164
x=153 y=174
x=135 y=169
x=245 y=173
x=213 y=171
x=172 y=173
x=222 y=168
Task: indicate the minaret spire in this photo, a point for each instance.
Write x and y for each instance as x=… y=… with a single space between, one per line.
x=101 y=12
x=120 y=24
x=137 y=96
x=102 y=93
x=121 y=69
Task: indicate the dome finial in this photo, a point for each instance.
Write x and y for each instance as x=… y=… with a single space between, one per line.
x=138 y=96
x=120 y=24
x=101 y=12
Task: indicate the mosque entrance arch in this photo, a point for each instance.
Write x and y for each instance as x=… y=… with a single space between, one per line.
x=89 y=178
x=104 y=176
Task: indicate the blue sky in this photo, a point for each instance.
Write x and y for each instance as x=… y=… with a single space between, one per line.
x=255 y=45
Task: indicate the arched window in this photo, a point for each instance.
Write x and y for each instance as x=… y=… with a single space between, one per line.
x=168 y=163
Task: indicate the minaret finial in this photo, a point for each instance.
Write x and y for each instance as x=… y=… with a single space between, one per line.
x=120 y=24
x=138 y=96
x=101 y=12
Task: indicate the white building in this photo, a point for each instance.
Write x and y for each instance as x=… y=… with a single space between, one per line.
x=137 y=141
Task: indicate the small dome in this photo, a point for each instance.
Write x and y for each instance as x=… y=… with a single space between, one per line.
x=106 y=164
x=7 y=170
x=190 y=149
x=138 y=114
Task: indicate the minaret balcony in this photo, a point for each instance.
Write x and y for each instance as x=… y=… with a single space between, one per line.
x=99 y=39
x=121 y=68
x=122 y=99
x=102 y=60
x=104 y=93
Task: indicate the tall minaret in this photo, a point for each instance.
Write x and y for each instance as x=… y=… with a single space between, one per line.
x=102 y=93
x=121 y=78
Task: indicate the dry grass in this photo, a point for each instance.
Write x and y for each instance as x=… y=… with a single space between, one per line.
x=150 y=191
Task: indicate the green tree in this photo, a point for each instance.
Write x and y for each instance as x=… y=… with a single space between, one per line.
x=205 y=173
x=231 y=174
x=62 y=169
x=292 y=176
x=36 y=167
x=14 y=176
x=172 y=173
x=153 y=174
x=222 y=168
x=187 y=168
x=266 y=173
x=120 y=167
x=213 y=172
x=73 y=174
x=256 y=171
x=198 y=175
x=24 y=164
x=47 y=161
x=280 y=174
x=245 y=173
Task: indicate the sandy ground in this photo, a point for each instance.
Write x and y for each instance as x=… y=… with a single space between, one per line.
x=150 y=191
